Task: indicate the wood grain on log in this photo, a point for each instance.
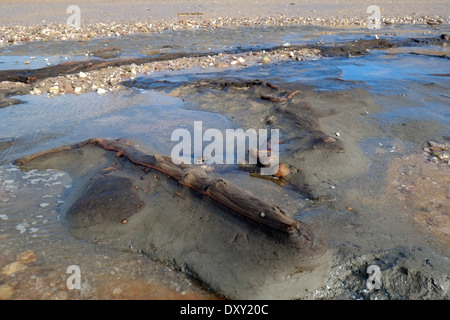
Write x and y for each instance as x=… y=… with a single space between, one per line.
x=231 y=196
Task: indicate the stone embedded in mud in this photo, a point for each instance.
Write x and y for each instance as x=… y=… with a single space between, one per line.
x=283 y=171
x=107 y=199
x=329 y=140
x=445 y=37
x=13 y=268
x=6 y=292
x=26 y=257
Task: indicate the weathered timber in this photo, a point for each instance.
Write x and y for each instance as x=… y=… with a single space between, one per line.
x=240 y=201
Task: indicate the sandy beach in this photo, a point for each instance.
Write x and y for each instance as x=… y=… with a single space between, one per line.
x=34 y=12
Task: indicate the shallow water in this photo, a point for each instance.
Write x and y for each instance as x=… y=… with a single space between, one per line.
x=404 y=104
x=42 y=53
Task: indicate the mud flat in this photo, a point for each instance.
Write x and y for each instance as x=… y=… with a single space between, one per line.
x=355 y=124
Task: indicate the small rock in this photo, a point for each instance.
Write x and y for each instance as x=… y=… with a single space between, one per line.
x=26 y=257
x=241 y=60
x=117 y=292
x=329 y=140
x=265 y=59
x=234 y=62
x=53 y=90
x=68 y=88
x=432 y=22
x=77 y=90
x=101 y=91
x=60 y=295
x=221 y=65
x=35 y=91
x=6 y=292
x=82 y=75
x=337 y=134
x=270 y=120
x=12 y=268
x=283 y=171
x=445 y=37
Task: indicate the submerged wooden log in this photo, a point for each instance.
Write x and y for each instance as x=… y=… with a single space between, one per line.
x=240 y=201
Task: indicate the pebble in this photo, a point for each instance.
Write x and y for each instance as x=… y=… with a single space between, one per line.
x=283 y=171
x=241 y=60
x=82 y=75
x=437 y=152
x=221 y=65
x=26 y=257
x=13 y=268
x=36 y=91
x=265 y=59
x=329 y=140
x=117 y=292
x=53 y=90
x=6 y=292
x=101 y=91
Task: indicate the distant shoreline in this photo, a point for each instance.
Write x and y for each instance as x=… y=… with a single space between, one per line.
x=45 y=12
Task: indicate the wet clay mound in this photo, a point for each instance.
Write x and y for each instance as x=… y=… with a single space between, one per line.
x=235 y=255
x=319 y=131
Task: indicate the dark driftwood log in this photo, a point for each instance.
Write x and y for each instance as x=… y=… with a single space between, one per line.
x=233 y=197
